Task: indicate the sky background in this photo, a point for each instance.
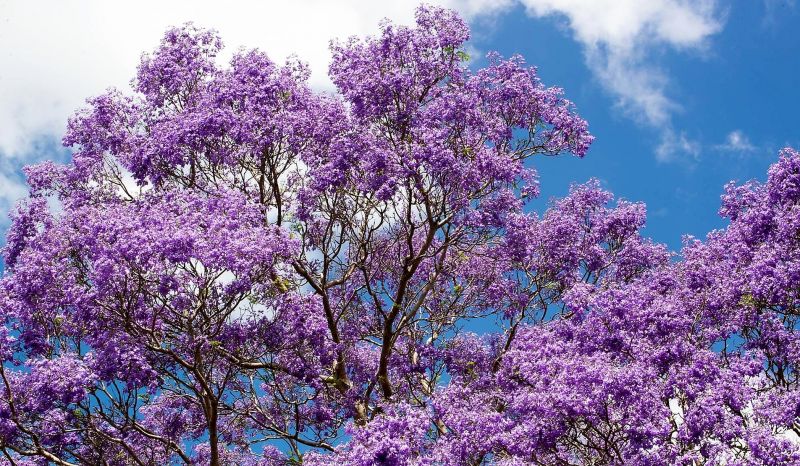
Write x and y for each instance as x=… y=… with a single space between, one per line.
x=682 y=96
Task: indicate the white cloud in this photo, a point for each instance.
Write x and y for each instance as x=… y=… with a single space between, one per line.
x=619 y=39
x=736 y=141
x=673 y=143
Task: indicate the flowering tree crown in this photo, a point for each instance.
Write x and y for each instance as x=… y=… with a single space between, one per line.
x=237 y=270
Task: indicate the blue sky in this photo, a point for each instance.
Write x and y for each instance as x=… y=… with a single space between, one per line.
x=737 y=98
x=681 y=96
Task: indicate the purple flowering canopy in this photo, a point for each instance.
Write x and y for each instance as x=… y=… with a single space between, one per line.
x=237 y=270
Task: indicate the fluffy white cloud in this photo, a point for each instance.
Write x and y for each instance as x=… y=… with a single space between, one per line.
x=619 y=37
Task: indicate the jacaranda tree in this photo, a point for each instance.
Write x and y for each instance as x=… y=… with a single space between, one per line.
x=234 y=269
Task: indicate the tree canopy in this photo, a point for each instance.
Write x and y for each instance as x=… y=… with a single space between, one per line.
x=235 y=269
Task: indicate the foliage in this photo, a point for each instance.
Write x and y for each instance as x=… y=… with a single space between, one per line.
x=235 y=269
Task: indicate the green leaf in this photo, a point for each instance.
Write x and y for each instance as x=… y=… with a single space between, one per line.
x=748 y=300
